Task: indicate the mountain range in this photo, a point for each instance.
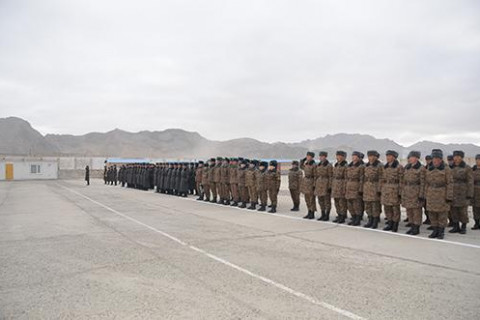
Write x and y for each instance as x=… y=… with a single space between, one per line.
x=18 y=137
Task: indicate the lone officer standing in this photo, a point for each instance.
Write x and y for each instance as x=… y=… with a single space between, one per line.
x=438 y=193
x=87 y=175
x=462 y=192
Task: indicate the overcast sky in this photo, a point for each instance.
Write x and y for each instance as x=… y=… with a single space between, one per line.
x=271 y=70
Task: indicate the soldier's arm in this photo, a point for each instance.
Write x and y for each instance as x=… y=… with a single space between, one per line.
x=469 y=183
x=401 y=171
x=380 y=176
x=449 y=184
x=423 y=173
x=330 y=178
x=362 y=178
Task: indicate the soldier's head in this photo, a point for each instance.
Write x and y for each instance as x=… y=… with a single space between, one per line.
x=372 y=156
x=234 y=161
x=355 y=156
x=391 y=155
x=450 y=159
x=295 y=164
x=200 y=164
x=310 y=156
x=253 y=163
x=413 y=157
x=428 y=159
x=437 y=157
x=458 y=156
x=477 y=160
x=272 y=165
x=263 y=165
x=323 y=155
x=341 y=155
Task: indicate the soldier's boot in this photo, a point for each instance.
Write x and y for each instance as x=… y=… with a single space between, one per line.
x=375 y=222
x=441 y=233
x=430 y=228
x=352 y=221
x=327 y=215
x=463 y=228
x=456 y=228
x=410 y=231
x=310 y=215
x=234 y=204
x=262 y=208
x=476 y=226
x=253 y=206
x=226 y=202
x=269 y=206
x=427 y=221
x=358 y=220
x=337 y=218
x=273 y=209
x=406 y=220
x=243 y=205
x=206 y=199
x=388 y=226
x=409 y=224
x=322 y=216
x=451 y=223
x=395 y=227
x=200 y=198
x=341 y=219
x=434 y=234
x=369 y=224
x=416 y=230
x=214 y=200
x=295 y=207
x=220 y=201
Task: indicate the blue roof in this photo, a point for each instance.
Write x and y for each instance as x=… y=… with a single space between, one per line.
x=128 y=160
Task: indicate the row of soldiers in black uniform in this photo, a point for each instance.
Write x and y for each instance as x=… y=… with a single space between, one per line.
x=180 y=179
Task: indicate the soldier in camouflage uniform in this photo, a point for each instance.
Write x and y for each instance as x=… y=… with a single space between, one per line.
x=476 y=193
x=413 y=191
x=462 y=192
x=234 y=182
x=338 y=186
x=295 y=176
x=225 y=182
x=323 y=185
x=273 y=181
x=391 y=190
x=307 y=186
x=216 y=180
x=242 y=187
x=251 y=184
x=438 y=193
x=260 y=178
x=354 y=188
x=206 y=181
x=428 y=161
x=199 y=180
x=372 y=188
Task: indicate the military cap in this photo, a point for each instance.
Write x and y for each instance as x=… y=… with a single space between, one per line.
x=254 y=162
x=459 y=153
x=273 y=163
x=311 y=154
x=200 y=162
x=357 y=153
x=437 y=153
x=263 y=164
x=477 y=157
x=362 y=155
x=240 y=159
x=323 y=153
x=428 y=157
x=341 y=153
x=219 y=158
x=373 y=153
x=226 y=159
x=392 y=153
x=295 y=162
x=450 y=157
x=415 y=154
x=233 y=159
x=212 y=159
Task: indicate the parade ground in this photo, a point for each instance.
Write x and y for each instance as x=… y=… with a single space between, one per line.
x=68 y=251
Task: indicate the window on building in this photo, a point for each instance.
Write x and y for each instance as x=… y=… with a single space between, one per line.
x=35 y=168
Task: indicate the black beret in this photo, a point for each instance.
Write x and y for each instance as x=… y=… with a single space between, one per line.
x=273 y=163
x=415 y=154
x=219 y=158
x=341 y=153
x=357 y=153
x=254 y=162
x=323 y=153
x=212 y=159
x=311 y=154
x=437 y=153
x=295 y=162
x=459 y=153
x=392 y=153
x=373 y=153
x=226 y=159
x=263 y=164
x=200 y=162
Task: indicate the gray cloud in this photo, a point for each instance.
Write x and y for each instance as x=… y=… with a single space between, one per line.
x=272 y=70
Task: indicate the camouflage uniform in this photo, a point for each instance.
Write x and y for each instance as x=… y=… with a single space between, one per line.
x=439 y=194
x=225 y=182
x=391 y=192
x=242 y=188
x=476 y=195
x=307 y=186
x=354 y=189
x=323 y=187
x=273 y=180
x=251 y=184
x=338 y=188
x=295 y=176
x=260 y=178
x=372 y=190
x=215 y=180
x=198 y=181
x=234 y=182
x=462 y=193
x=206 y=182
x=413 y=193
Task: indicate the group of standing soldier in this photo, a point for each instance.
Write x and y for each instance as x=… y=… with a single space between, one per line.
x=444 y=190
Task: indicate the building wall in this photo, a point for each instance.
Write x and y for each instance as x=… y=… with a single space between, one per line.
x=22 y=169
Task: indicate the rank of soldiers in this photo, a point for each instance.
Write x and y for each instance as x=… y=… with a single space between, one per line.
x=441 y=190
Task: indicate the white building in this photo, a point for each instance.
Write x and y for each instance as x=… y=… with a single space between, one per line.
x=26 y=168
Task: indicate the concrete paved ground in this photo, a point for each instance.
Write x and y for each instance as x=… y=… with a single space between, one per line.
x=100 y=252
